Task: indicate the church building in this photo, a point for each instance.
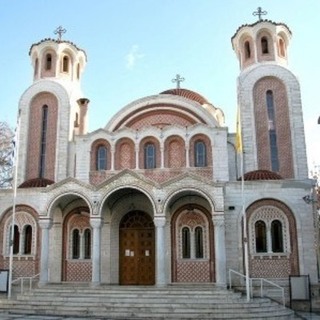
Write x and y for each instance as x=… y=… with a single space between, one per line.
x=162 y=193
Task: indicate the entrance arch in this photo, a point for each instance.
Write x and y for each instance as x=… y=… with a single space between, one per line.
x=136 y=249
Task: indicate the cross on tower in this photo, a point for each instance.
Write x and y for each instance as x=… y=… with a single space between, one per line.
x=178 y=80
x=259 y=13
x=60 y=31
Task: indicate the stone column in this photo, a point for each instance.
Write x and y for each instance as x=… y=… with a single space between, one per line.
x=162 y=156
x=220 y=249
x=96 y=224
x=187 y=157
x=45 y=225
x=112 y=158
x=160 y=251
x=137 y=156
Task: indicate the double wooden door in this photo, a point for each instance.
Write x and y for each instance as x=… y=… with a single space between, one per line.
x=137 y=253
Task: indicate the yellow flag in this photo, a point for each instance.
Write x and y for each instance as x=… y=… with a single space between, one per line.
x=238 y=133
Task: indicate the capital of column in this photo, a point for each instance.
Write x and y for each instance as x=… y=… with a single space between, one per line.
x=159 y=222
x=45 y=223
x=96 y=223
x=218 y=220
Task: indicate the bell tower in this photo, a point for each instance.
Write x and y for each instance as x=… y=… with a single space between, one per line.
x=53 y=110
x=269 y=100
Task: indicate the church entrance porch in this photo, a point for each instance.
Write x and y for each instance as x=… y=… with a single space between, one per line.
x=136 y=249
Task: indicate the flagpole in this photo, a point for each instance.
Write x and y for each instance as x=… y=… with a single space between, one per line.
x=15 y=180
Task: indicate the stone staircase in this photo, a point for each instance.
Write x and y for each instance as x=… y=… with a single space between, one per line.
x=132 y=302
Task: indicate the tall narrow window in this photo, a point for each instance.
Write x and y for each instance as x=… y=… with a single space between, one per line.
x=75 y=244
x=261 y=236
x=264 y=45
x=186 y=249
x=43 y=141
x=149 y=156
x=272 y=132
x=48 y=61
x=200 y=154
x=65 y=64
x=16 y=239
x=276 y=236
x=198 y=238
x=78 y=71
x=101 y=158
x=282 y=50
x=27 y=239
x=36 y=67
x=247 y=50
x=87 y=244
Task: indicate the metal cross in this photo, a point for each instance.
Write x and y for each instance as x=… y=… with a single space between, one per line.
x=259 y=13
x=60 y=31
x=178 y=80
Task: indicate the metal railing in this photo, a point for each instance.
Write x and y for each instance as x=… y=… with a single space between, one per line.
x=264 y=292
x=24 y=280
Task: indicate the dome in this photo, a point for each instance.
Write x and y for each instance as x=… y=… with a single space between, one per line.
x=36 y=183
x=261 y=175
x=191 y=95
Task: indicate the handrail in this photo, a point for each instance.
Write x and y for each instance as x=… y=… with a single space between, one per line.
x=262 y=281
x=21 y=279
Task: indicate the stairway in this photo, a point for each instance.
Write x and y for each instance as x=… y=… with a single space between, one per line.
x=131 y=302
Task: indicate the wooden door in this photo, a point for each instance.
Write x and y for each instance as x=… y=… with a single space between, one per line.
x=137 y=253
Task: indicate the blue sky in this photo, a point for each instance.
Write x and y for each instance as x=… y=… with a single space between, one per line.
x=136 y=47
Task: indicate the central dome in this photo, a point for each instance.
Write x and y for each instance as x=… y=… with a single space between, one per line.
x=191 y=95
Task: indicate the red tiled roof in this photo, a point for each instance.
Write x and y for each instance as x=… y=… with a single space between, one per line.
x=191 y=95
x=36 y=183
x=261 y=175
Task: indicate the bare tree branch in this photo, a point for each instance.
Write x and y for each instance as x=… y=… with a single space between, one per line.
x=6 y=155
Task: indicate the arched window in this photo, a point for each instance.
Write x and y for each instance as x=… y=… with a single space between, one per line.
x=101 y=158
x=78 y=71
x=149 y=156
x=43 y=145
x=261 y=236
x=198 y=238
x=36 y=67
x=75 y=244
x=186 y=248
x=65 y=64
x=282 y=50
x=27 y=239
x=264 y=45
x=87 y=244
x=247 y=50
x=200 y=154
x=48 y=61
x=272 y=132
x=16 y=239
x=276 y=236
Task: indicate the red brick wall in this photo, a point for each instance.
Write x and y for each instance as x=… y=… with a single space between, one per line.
x=34 y=139
x=282 y=126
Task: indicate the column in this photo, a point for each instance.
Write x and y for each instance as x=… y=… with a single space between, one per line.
x=112 y=158
x=45 y=225
x=96 y=250
x=162 y=156
x=187 y=157
x=137 y=156
x=160 y=251
x=220 y=249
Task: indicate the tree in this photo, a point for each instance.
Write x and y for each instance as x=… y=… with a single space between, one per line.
x=6 y=155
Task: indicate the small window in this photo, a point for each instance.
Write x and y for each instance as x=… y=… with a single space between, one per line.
x=276 y=236
x=27 y=239
x=186 y=249
x=48 y=61
x=200 y=154
x=101 y=158
x=261 y=236
x=282 y=50
x=43 y=146
x=150 y=156
x=75 y=244
x=87 y=244
x=65 y=66
x=264 y=45
x=247 y=50
x=36 y=67
x=198 y=237
x=16 y=239
x=78 y=71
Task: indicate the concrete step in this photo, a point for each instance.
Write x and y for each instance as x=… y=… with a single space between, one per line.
x=117 y=302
